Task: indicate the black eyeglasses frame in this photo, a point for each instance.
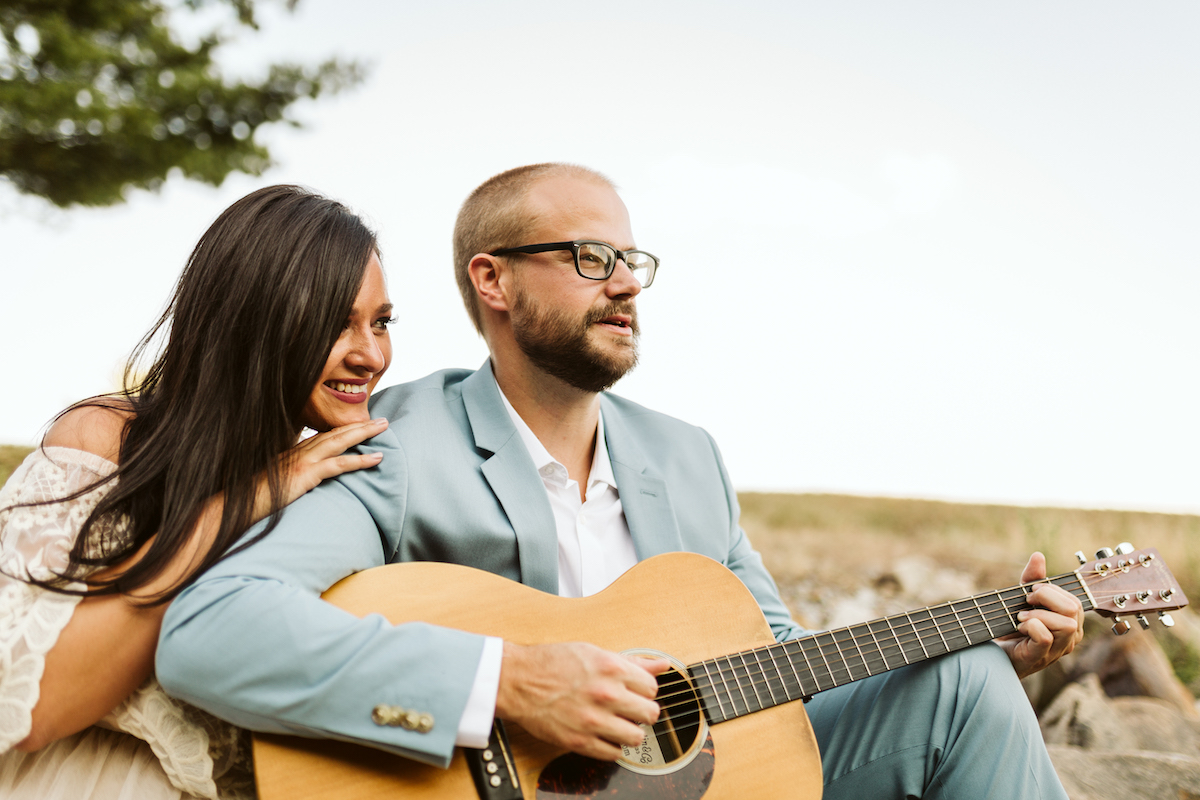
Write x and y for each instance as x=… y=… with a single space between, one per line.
x=573 y=246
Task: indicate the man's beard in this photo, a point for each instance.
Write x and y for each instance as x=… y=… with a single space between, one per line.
x=559 y=345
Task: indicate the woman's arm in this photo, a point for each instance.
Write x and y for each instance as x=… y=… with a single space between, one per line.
x=107 y=648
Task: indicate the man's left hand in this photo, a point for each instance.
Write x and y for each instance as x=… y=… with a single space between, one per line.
x=1048 y=631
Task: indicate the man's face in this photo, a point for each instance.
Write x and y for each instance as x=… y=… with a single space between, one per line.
x=581 y=331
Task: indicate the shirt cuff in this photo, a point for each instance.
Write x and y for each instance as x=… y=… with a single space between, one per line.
x=476 y=724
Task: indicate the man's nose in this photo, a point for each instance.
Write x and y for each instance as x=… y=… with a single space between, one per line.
x=622 y=282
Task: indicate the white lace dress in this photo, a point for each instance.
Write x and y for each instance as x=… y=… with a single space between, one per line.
x=150 y=747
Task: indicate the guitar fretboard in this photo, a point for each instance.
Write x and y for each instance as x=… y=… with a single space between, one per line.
x=742 y=683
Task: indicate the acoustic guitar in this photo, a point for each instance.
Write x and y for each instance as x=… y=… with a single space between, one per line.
x=725 y=705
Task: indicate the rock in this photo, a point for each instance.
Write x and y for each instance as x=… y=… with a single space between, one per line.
x=1135 y=664
x=1081 y=716
x=1148 y=723
x=1106 y=775
x=1084 y=716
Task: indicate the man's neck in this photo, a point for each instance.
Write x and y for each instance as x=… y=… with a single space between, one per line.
x=562 y=417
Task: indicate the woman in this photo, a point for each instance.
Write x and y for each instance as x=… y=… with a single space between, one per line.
x=278 y=322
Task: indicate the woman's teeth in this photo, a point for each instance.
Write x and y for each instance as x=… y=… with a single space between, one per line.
x=348 y=388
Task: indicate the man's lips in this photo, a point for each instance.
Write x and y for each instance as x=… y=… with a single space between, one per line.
x=619 y=323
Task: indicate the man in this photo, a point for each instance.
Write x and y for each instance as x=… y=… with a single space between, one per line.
x=529 y=469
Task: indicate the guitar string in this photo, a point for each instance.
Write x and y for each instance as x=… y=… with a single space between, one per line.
x=813 y=644
x=694 y=706
x=826 y=643
x=727 y=670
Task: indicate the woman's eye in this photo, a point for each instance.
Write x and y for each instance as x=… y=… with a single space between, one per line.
x=383 y=322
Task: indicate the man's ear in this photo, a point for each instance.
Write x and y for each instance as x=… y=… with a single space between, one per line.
x=488 y=275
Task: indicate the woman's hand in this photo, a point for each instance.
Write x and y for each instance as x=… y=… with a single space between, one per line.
x=107 y=649
x=323 y=456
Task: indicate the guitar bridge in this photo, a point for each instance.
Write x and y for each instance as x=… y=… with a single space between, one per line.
x=493 y=769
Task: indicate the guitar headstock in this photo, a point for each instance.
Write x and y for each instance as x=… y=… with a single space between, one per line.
x=1129 y=582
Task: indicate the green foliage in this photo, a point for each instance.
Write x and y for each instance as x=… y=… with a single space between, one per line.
x=1183 y=657
x=97 y=96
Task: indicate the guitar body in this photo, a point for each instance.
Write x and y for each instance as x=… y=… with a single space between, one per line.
x=684 y=605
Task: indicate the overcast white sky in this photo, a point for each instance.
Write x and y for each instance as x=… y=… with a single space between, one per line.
x=939 y=250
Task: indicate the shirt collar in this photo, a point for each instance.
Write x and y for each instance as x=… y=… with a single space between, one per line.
x=542 y=460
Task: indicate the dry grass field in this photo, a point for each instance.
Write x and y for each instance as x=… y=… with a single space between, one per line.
x=10 y=457
x=835 y=536
x=823 y=549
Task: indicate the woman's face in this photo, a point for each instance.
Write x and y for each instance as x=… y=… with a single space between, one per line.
x=358 y=358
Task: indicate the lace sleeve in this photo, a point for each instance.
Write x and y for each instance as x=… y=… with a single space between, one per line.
x=37 y=540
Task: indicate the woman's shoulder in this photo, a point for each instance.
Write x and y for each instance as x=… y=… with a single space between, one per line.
x=95 y=428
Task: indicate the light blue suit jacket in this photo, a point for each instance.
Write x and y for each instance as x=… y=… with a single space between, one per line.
x=252 y=642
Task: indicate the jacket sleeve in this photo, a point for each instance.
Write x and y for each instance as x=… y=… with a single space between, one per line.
x=252 y=642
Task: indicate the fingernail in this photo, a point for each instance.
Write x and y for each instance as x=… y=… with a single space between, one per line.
x=380 y=421
x=376 y=456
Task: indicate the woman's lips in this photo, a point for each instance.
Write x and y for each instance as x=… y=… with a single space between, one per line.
x=349 y=391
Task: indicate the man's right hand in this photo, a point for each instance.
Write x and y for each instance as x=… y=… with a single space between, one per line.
x=578 y=696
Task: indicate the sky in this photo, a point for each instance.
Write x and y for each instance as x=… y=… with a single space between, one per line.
x=934 y=249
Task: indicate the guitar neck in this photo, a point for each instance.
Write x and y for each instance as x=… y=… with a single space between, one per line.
x=742 y=683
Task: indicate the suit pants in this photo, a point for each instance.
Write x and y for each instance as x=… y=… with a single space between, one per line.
x=958 y=727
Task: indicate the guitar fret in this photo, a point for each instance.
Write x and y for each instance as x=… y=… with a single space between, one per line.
x=763 y=671
x=891 y=642
x=854 y=638
x=1013 y=600
x=917 y=633
x=847 y=637
x=878 y=647
x=741 y=692
x=937 y=643
x=975 y=629
x=896 y=636
x=983 y=616
x=716 y=695
x=799 y=648
x=753 y=683
x=839 y=670
x=816 y=640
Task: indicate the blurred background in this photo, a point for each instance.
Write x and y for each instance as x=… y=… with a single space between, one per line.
x=932 y=249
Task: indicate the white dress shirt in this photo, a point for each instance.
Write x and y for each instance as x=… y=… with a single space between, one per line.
x=594 y=549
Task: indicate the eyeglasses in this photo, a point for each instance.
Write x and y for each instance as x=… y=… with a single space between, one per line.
x=596 y=260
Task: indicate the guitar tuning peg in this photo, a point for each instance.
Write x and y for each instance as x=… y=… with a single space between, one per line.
x=1145 y=623
x=1104 y=552
x=1120 y=627
x=1124 y=548
x=1166 y=620
x=1082 y=558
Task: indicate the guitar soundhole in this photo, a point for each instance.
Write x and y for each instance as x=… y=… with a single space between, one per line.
x=675 y=760
x=678 y=735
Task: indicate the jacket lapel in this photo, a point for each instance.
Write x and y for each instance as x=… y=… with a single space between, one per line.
x=644 y=497
x=510 y=473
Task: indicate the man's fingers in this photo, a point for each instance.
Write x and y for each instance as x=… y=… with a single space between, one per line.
x=1054 y=598
x=1035 y=569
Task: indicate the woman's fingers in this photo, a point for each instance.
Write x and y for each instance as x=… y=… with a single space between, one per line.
x=323 y=456
x=339 y=440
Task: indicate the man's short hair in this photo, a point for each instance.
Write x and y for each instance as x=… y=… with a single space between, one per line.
x=495 y=216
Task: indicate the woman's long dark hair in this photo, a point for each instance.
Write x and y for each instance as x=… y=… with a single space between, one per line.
x=259 y=306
